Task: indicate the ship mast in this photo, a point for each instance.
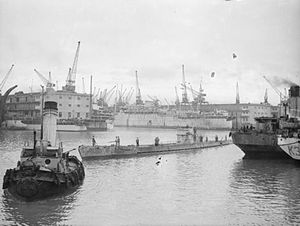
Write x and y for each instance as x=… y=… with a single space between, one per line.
x=237 y=100
x=184 y=92
x=91 y=97
x=42 y=112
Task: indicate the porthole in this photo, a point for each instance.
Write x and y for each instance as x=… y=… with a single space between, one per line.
x=47 y=161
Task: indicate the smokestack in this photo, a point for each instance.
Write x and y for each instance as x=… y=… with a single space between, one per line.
x=294 y=101
x=49 y=122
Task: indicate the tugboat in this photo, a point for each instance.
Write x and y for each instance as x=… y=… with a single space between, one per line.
x=44 y=169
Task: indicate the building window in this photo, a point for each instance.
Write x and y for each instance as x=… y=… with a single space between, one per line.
x=60 y=114
x=26 y=98
x=87 y=99
x=87 y=106
x=17 y=99
x=78 y=98
x=78 y=105
x=60 y=104
x=60 y=97
x=10 y=100
x=70 y=98
x=86 y=115
x=70 y=105
x=78 y=114
x=69 y=115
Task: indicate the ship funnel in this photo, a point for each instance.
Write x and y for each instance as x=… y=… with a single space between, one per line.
x=49 y=122
x=294 y=102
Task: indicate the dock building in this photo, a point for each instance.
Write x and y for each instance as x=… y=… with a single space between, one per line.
x=71 y=105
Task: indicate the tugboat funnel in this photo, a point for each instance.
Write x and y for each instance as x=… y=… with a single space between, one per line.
x=49 y=122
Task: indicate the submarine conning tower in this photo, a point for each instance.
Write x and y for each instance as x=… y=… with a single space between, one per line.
x=294 y=101
x=49 y=122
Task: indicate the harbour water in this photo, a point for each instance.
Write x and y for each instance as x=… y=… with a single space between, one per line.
x=212 y=186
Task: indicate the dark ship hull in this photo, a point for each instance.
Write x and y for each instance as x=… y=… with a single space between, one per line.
x=95 y=125
x=257 y=145
x=30 y=183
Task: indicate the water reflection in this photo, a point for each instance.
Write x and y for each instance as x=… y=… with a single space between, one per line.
x=45 y=212
x=270 y=188
x=211 y=186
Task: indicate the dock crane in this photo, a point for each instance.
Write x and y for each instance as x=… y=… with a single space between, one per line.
x=184 y=86
x=70 y=82
x=47 y=82
x=177 y=101
x=129 y=95
x=155 y=101
x=138 y=91
x=104 y=96
x=199 y=96
x=281 y=95
x=283 y=98
x=5 y=78
x=109 y=93
x=167 y=101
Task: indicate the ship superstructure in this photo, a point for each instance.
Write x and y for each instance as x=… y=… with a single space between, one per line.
x=269 y=136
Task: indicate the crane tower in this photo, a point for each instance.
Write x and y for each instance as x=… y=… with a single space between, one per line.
x=138 y=100
x=71 y=78
x=184 y=92
x=5 y=78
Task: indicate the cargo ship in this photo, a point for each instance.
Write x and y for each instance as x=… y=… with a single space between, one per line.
x=173 y=119
x=185 y=114
x=263 y=139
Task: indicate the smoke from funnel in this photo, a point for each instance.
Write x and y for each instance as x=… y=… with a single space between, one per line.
x=282 y=82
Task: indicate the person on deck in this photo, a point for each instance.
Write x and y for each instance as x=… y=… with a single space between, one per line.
x=117 y=141
x=137 y=141
x=156 y=141
x=93 y=141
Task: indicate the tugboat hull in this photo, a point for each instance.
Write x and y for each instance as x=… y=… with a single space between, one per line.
x=31 y=183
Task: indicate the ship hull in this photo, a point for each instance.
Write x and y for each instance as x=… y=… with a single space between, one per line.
x=262 y=152
x=258 y=145
x=113 y=151
x=61 y=127
x=291 y=146
x=39 y=190
x=95 y=125
x=170 y=121
x=30 y=184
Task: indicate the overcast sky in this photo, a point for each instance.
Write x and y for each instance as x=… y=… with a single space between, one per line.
x=154 y=37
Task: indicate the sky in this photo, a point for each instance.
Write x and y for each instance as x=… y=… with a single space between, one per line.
x=154 y=37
